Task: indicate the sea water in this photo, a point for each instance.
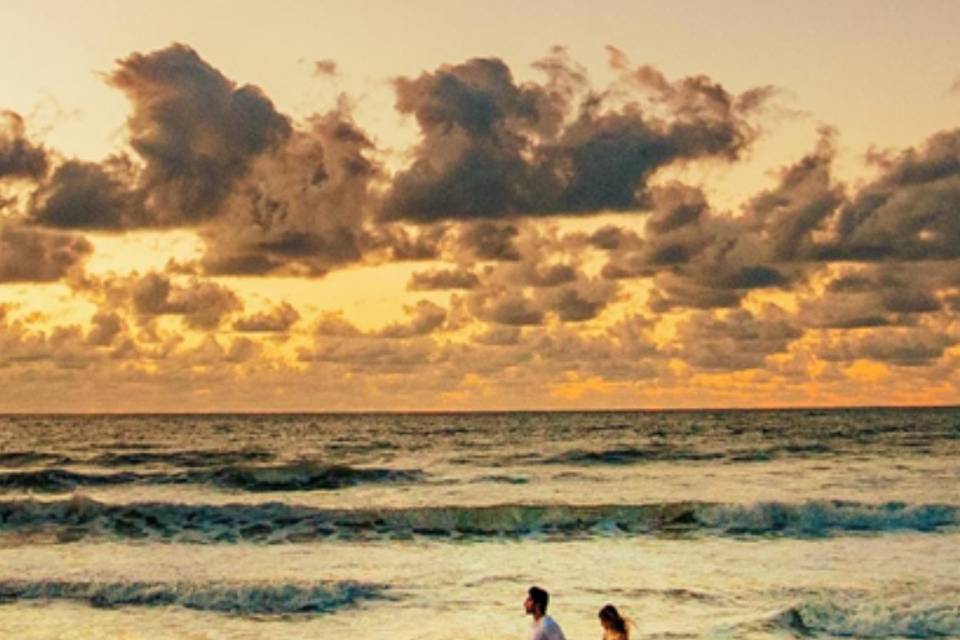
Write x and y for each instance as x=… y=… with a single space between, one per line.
x=739 y=524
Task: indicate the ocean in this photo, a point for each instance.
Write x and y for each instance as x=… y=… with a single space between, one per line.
x=700 y=524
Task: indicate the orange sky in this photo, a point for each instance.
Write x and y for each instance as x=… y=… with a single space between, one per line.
x=291 y=206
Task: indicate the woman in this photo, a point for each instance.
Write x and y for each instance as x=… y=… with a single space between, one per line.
x=614 y=626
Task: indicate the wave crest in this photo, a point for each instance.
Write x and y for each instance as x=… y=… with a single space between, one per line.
x=823 y=517
x=297 y=476
x=275 y=522
x=234 y=598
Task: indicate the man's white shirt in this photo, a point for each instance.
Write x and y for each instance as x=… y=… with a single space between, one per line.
x=546 y=629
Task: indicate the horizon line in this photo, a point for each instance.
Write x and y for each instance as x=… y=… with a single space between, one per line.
x=427 y=412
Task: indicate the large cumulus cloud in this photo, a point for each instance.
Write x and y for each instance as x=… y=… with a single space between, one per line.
x=492 y=147
x=196 y=130
x=194 y=133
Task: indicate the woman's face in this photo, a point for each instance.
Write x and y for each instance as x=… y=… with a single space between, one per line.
x=604 y=624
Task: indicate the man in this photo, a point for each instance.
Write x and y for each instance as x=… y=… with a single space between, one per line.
x=544 y=627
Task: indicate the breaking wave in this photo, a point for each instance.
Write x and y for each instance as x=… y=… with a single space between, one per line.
x=302 y=477
x=820 y=517
x=232 y=598
x=275 y=522
x=299 y=476
x=871 y=619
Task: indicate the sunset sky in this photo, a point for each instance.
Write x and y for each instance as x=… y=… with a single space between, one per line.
x=240 y=206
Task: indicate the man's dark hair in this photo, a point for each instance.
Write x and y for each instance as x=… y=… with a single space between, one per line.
x=540 y=598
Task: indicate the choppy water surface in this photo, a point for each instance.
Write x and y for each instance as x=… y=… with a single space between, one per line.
x=697 y=524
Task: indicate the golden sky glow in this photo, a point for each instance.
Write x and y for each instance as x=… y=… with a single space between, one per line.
x=304 y=206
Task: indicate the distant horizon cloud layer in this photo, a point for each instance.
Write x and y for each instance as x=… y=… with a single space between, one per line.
x=542 y=244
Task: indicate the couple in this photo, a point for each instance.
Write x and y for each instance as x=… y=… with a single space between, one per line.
x=545 y=628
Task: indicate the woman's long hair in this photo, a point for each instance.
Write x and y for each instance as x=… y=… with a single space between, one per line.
x=614 y=620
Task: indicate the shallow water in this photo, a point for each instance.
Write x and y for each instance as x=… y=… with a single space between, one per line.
x=699 y=525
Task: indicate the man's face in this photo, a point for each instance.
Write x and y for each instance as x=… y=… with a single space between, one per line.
x=528 y=605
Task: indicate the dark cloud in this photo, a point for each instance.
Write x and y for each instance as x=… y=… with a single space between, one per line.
x=546 y=277
x=909 y=213
x=511 y=309
x=676 y=206
x=493 y=148
x=905 y=347
x=201 y=304
x=28 y=254
x=302 y=208
x=441 y=279
x=489 y=241
x=19 y=157
x=703 y=259
x=425 y=318
x=673 y=292
x=874 y=296
x=211 y=154
x=678 y=228
x=571 y=306
x=552 y=275
x=279 y=319
x=106 y=326
x=735 y=339
x=697 y=258
x=196 y=130
x=610 y=237
x=402 y=243
x=901 y=297
x=88 y=195
x=577 y=301
x=802 y=203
